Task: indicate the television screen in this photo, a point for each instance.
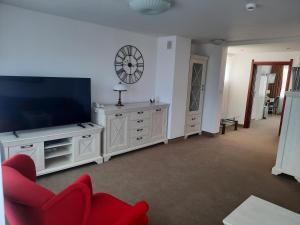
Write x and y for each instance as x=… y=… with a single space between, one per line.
x=37 y=102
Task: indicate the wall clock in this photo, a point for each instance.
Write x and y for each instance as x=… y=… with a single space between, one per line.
x=129 y=64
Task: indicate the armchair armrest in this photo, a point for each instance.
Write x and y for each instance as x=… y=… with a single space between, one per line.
x=69 y=207
x=136 y=214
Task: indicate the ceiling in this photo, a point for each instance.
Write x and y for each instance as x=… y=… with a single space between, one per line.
x=268 y=47
x=201 y=20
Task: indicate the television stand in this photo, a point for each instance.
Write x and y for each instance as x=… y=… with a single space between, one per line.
x=80 y=125
x=55 y=148
x=15 y=134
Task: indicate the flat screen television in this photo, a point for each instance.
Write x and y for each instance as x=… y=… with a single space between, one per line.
x=38 y=102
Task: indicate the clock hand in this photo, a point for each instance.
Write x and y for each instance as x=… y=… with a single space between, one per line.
x=130 y=70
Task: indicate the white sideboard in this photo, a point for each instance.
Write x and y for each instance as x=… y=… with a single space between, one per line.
x=56 y=148
x=131 y=127
x=288 y=155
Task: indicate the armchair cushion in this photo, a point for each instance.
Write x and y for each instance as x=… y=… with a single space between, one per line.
x=69 y=207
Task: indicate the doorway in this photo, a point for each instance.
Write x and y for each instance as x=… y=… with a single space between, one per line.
x=252 y=87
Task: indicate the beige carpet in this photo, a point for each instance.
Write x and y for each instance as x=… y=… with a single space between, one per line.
x=198 y=181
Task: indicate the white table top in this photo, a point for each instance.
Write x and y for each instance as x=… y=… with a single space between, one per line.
x=255 y=211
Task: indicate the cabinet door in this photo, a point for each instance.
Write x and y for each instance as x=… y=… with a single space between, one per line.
x=35 y=151
x=158 y=128
x=117 y=132
x=87 y=147
x=291 y=129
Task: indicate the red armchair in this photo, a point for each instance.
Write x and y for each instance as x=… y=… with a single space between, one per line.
x=27 y=203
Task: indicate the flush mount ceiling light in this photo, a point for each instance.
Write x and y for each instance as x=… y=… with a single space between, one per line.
x=150 y=7
x=251 y=6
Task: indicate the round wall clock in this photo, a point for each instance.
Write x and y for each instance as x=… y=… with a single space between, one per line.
x=129 y=64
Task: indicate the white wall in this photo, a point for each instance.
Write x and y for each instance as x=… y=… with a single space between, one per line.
x=172 y=80
x=2 y=217
x=37 y=44
x=214 y=84
x=180 y=86
x=226 y=88
x=240 y=75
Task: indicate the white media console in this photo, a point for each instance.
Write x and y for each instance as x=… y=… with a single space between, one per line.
x=56 y=148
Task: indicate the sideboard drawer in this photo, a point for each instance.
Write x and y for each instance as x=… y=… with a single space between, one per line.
x=139 y=140
x=139 y=131
x=134 y=124
x=141 y=114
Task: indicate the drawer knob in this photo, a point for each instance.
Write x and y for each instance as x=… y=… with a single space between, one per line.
x=140 y=121
x=27 y=146
x=118 y=114
x=193 y=118
x=141 y=112
x=158 y=110
x=139 y=138
x=192 y=125
x=139 y=130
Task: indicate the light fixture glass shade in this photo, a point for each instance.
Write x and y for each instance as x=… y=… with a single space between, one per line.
x=150 y=7
x=120 y=87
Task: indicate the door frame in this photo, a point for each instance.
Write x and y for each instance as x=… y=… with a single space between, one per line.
x=250 y=96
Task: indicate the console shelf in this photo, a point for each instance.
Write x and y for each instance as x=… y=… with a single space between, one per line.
x=54 y=163
x=57 y=153
x=58 y=143
x=56 y=148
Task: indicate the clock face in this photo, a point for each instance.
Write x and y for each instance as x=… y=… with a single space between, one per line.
x=129 y=64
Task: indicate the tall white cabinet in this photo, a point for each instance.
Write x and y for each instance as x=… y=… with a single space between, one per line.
x=195 y=95
x=131 y=127
x=288 y=155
